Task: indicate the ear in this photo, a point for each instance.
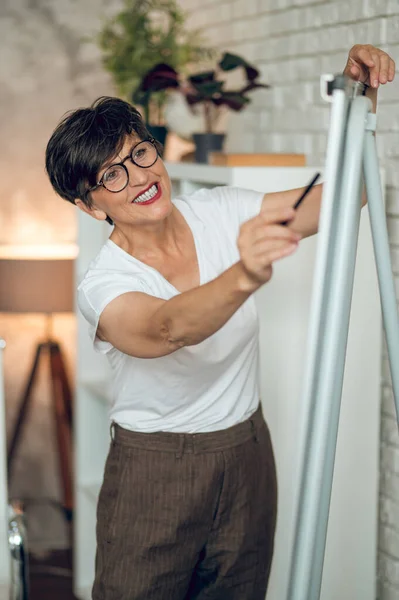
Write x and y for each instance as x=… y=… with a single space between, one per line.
x=94 y=212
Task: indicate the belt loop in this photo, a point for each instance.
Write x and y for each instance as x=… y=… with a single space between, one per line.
x=112 y=432
x=254 y=431
x=180 y=451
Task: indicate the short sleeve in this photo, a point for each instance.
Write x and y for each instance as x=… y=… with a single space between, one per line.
x=97 y=290
x=231 y=206
x=248 y=203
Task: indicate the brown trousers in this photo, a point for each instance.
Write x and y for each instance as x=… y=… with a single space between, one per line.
x=187 y=516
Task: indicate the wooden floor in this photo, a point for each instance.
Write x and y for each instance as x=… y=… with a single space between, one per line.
x=51 y=579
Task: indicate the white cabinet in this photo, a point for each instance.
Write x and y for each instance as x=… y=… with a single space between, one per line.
x=91 y=427
x=284 y=305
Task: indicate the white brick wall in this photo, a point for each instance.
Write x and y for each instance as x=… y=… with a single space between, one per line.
x=293 y=42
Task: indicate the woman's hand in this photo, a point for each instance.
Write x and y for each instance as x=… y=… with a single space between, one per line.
x=370 y=65
x=262 y=241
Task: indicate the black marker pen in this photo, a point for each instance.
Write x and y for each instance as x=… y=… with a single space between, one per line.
x=304 y=194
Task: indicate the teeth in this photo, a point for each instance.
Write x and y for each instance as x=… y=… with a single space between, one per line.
x=147 y=195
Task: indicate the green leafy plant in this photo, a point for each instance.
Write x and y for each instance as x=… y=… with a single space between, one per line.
x=209 y=89
x=143 y=34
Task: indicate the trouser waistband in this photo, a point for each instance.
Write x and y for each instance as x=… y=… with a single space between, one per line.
x=180 y=443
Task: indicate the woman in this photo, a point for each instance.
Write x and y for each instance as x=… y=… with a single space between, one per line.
x=188 y=503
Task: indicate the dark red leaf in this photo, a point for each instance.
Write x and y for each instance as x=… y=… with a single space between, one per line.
x=160 y=77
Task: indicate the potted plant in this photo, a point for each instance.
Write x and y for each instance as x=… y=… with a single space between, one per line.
x=143 y=34
x=207 y=90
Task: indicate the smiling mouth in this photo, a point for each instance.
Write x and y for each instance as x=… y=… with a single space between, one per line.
x=149 y=196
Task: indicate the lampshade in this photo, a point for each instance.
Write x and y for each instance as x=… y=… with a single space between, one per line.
x=37 y=278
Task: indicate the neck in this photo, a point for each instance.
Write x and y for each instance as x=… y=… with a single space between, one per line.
x=150 y=239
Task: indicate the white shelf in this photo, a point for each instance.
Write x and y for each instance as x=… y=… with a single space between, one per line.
x=213 y=175
x=207 y=174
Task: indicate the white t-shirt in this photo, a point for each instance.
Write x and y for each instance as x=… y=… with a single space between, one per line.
x=210 y=386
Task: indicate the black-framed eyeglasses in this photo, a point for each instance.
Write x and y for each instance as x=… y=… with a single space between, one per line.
x=116 y=177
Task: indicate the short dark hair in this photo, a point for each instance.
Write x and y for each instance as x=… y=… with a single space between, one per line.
x=84 y=140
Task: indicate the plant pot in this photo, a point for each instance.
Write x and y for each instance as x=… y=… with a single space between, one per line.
x=206 y=143
x=159 y=132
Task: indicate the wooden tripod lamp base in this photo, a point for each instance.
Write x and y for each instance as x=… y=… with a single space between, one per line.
x=61 y=400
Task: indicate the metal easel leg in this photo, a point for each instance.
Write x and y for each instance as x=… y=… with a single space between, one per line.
x=327 y=343
x=382 y=259
x=303 y=548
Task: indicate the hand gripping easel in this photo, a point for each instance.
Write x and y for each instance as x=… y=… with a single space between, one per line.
x=351 y=149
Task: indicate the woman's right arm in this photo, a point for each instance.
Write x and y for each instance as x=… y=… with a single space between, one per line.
x=148 y=327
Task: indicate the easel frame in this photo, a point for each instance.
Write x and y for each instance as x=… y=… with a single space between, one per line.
x=351 y=149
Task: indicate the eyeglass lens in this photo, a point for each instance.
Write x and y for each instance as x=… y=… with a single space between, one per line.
x=116 y=177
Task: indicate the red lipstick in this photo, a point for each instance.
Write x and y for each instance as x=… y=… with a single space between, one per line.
x=151 y=200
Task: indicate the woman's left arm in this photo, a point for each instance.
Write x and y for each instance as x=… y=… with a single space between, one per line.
x=371 y=66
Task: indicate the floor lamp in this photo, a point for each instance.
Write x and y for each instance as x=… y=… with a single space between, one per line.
x=40 y=280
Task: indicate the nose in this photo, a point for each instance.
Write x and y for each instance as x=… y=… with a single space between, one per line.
x=137 y=175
